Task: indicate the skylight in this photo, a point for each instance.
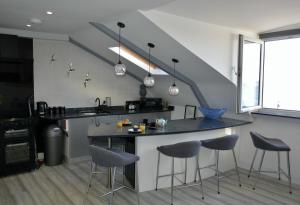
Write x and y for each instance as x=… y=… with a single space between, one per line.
x=138 y=60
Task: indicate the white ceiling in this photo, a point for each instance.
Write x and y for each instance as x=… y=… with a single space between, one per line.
x=249 y=15
x=69 y=15
x=73 y=15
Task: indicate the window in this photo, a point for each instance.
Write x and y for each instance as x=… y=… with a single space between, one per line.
x=269 y=74
x=249 y=74
x=138 y=60
x=282 y=74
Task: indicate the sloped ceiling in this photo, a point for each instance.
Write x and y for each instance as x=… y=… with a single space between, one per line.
x=140 y=31
x=69 y=15
x=254 y=15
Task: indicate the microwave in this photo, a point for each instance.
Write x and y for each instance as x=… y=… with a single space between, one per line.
x=151 y=103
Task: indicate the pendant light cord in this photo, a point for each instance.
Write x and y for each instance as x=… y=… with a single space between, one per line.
x=174 y=74
x=119 y=45
x=149 y=59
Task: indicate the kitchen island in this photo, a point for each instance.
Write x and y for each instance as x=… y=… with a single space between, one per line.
x=145 y=144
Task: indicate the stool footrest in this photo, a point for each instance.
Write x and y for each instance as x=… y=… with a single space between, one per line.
x=168 y=175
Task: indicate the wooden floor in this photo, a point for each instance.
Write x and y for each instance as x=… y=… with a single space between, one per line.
x=66 y=185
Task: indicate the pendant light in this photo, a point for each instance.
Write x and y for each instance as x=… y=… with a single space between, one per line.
x=173 y=89
x=120 y=68
x=149 y=80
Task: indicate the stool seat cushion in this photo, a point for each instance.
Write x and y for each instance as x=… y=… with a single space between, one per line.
x=181 y=150
x=269 y=144
x=110 y=158
x=222 y=143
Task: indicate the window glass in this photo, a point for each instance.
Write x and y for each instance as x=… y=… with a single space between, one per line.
x=282 y=74
x=251 y=75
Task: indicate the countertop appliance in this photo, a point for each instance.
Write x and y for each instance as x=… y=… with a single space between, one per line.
x=42 y=108
x=151 y=103
x=132 y=105
x=17 y=151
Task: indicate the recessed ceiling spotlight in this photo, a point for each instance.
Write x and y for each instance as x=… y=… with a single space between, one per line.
x=28 y=25
x=49 y=12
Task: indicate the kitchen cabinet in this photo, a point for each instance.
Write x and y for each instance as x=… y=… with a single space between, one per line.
x=9 y=46
x=16 y=48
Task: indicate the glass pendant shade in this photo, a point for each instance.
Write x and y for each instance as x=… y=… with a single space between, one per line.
x=173 y=90
x=120 y=69
x=149 y=81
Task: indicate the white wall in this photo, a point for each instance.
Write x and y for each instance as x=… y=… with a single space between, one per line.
x=212 y=43
x=51 y=83
x=287 y=129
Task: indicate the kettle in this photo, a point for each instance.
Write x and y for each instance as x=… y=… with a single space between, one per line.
x=41 y=108
x=161 y=122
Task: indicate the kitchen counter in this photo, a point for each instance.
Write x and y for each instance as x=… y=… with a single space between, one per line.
x=173 y=127
x=93 y=112
x=145 y=146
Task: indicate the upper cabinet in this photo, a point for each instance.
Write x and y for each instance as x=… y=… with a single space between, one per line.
x=9 y=46
x=14 y=47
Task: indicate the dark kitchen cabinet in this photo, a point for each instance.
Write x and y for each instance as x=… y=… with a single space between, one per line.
x=15 y=48
x=8 y=46
x=25 y=48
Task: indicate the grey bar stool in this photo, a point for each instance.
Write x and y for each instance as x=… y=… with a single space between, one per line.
x=180 y=150
x=114 y=144
x=110 y=159
x=270 y=144
x=221 y=144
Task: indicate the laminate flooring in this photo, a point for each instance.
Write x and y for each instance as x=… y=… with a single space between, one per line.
x=66 y=185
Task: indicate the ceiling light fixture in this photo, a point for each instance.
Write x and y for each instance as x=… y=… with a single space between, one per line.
x=49 y=12
x=149 y=80
x=120 y=68
x=173 y=89
x=28 y=25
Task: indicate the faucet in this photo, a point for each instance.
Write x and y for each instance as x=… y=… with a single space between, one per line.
x=99 y=101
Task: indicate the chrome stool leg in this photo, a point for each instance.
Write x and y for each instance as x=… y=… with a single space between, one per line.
x=217 y=170
x=92 y=167
x=196 y=170
x=259 y=170
x=112 y=186
x=200 y=178
x=185 y=164
x=236 y=168
x=157 y=171
x=172 y=181
x=252 y=163
x=289 y=172
x=278 y=157
x=216 y=160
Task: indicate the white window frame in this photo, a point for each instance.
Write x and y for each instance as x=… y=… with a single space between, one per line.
x=242 y=39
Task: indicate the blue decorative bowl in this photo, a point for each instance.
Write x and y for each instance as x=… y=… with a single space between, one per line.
x=212 y=113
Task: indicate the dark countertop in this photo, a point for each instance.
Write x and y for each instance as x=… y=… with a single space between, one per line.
x=173 y=127
x=93 y=112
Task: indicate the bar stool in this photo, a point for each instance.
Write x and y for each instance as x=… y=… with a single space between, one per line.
x=270 y=144
x=110 y=159
x=180 y=150
x=114 y=144
x=221 y=144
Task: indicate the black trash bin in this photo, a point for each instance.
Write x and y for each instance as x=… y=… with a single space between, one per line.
x=54 y=143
